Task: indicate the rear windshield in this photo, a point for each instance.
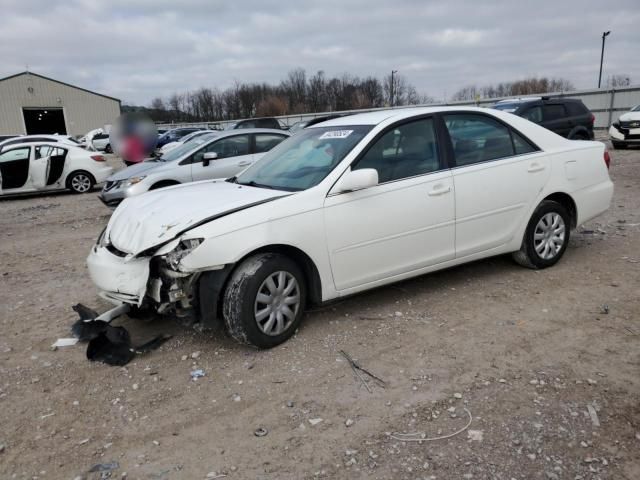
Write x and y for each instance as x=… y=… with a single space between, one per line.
x=507 y=107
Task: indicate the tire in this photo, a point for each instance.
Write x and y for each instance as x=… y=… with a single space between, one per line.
x=80 y=182
x=167 y=183
x=545 y=251
x=619 y=146
x=579 y=136
x=249 y=296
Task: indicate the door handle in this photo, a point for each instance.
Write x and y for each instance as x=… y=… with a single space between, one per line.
x=439 y=190
x=535 y=167
x=244 y=164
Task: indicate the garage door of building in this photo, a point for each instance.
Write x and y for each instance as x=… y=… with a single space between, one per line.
x=44 y=121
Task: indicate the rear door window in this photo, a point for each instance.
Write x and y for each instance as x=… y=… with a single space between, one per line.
x=478 y=138
x=553 y=112
x=533 y=114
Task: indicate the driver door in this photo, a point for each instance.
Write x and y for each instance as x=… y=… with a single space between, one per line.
x=234 y=155
x=14 y=169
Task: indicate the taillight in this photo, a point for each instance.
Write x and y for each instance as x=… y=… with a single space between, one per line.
x=607 y=159
x=98 y=158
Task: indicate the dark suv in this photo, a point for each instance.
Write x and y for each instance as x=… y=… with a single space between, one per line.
x=265 y=122
x=567 y=117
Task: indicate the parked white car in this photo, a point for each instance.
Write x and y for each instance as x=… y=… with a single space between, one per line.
x=171 y=145
x=63 y=139
x=626 y=131
x=40 y=166
x=346 y=206
x=215 y=155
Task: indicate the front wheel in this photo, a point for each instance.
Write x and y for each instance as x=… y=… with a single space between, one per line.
x=546 y=237
x=80 y=182
x=264 y=300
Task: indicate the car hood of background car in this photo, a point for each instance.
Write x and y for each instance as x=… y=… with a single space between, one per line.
x=159 y=216
x=139 y=169
x=630 y=117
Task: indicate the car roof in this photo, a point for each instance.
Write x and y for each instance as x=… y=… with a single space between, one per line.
x=379 y=116
x=66 y=146
x=226 y=133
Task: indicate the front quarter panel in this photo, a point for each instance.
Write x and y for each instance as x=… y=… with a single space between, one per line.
x=295 y=221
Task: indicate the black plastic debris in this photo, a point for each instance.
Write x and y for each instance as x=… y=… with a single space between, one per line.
x=109 y=344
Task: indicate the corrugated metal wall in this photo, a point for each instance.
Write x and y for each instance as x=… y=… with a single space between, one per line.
x=83 y=110
x=606 y=105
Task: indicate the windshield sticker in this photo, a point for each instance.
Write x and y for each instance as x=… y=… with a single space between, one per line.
x=336 y=134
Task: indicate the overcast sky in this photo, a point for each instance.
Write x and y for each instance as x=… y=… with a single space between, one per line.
x=138 y=49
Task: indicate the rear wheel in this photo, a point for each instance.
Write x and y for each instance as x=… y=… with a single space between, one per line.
x=546 y=237
x=264 y=300
x=579 y=136
x=80 y=182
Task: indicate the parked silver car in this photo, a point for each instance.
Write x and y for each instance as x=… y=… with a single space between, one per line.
x=216 y=155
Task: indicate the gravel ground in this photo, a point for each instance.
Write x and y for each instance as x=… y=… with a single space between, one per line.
x=548 y=376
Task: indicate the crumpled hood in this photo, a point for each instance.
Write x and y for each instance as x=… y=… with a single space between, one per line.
x=630 y=116
x=158 y=216
x=136 y=170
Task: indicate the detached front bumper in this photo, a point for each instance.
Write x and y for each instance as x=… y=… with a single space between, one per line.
x=118 y=279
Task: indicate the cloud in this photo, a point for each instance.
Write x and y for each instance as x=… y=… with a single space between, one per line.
x=136 y=49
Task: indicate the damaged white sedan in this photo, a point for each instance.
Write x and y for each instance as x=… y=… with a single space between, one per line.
x=349 y=205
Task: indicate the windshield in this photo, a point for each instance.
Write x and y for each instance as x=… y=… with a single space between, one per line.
x=304 y=160
x=187 y=147
x=636 y=108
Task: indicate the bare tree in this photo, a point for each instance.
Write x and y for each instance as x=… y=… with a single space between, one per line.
x=614 y=81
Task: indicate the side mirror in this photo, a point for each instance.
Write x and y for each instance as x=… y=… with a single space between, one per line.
x=207 y=157
x=358 y=180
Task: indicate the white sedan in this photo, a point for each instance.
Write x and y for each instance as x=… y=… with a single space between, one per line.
x=346 y=206
x=35 y=167
x=626 y=131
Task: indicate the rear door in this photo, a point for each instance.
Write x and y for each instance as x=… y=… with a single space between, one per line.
x=556 y=118
x=57 y=158
x=498 y=174
x=234 y=155
x=39 y=168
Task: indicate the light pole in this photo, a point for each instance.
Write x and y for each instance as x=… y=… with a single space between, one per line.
x=604 y=35
x=391 y=92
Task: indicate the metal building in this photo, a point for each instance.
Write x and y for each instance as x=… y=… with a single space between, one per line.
x=31 y=103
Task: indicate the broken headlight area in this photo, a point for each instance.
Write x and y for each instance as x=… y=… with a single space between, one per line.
x=184 y=248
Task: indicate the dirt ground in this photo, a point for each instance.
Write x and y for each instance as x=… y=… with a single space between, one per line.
x=550 y=379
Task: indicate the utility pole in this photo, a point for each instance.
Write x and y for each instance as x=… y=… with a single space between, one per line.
x=604 y=36
x=391 y=92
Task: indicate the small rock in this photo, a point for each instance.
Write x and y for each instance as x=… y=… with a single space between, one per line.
x=372 y=455
x=314 y=421
x=502 y=380
x=290 y=404
x=637 y=435
x=156 y=443
x=350 y=452
x=260 y=432
x=475 y=435
x=82 y=442
x=398 y=314
x=351 y=461
x=591 y=381
x=196 y=374
x=135 y=386
x=534 y=381
x=184 y=357
x=76 y=403
x=237 y=398
x=584 y=444
x=457 y=395
x=195 y=355
x=2 y=447
x=348 y=422
x=604 y=309
x=532 y=456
